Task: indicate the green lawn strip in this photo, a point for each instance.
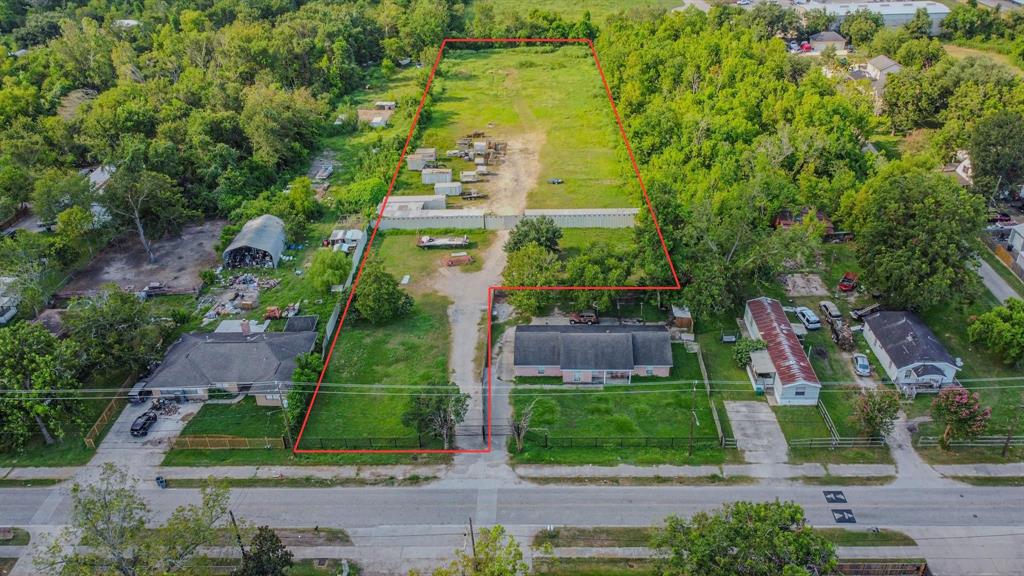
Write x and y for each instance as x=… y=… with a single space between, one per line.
x=847 y=480
x=645 y=423
x=21 y=538
x=1005 y=273
x=243 y=418
x=594 y=567
x=325 y=567
x=28 y=482
x=298 y=482
x=508 y=93
x=408 y=352
x=260 y=457
x=597 y=537
x=713 y=480
x=980 y=50
x=884 y=537
x=990 y=480
x=71 y=449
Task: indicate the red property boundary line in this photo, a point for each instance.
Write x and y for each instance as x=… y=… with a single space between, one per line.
x=490 y=291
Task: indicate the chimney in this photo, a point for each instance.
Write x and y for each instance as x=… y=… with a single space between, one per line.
x=245 y=327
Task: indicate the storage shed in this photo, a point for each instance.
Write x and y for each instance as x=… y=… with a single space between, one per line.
x=448 y=188
x=259 y=244
x=467 y=176
x=435 y=175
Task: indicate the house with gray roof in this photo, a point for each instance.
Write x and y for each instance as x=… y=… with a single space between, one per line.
x=595 y=354
x=911 y=354
x=259 y=364
x=259 y=244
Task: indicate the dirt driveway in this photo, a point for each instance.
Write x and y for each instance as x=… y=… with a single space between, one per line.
x=179 y=261
x=515 y=176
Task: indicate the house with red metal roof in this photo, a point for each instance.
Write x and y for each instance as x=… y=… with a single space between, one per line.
x=782 y=370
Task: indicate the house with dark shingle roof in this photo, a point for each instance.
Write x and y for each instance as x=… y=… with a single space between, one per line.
x=592 y=354
x=782 y=369
x=257 y=364
x=909 y=351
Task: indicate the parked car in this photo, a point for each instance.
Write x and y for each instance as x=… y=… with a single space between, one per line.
x=830 y=311
x=556 y=181
x=142 y=424
x=860 y=313
x=587 y=317
x=999 y=218
x=808 y=318
x=848 y=283
x=861 y=365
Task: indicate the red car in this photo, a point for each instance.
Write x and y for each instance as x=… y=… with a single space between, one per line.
x=848 y=283
x=584 y=318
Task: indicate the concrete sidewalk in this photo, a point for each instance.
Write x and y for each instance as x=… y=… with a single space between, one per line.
x=779 y=471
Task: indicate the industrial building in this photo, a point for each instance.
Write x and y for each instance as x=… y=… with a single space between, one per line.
x=894 y=14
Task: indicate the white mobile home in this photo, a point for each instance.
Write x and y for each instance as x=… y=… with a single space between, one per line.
x=783 y=369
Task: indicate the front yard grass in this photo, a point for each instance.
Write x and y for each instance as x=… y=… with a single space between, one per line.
x=397 y=251
x=243 y=418
x=610 y=425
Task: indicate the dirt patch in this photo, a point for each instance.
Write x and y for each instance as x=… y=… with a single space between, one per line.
x=179 y=261
x=513 y=179
x=803 y=285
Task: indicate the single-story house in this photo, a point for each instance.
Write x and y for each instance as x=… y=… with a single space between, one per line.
x=258 y=364
x=594 y=354
x=259 y=244
x=435 y=175
x=909 y=351
x=823 y=40
x=782 y=368
x=961 y=168
x=881 y=66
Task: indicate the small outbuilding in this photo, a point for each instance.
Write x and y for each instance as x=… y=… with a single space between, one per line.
x=823 y=40
x=435 y=175
x=467 y=176
x=259 y=244
x=448 y=188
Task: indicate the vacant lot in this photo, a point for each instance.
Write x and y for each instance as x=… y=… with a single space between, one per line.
x=179 y=261
x=397 y=251
x=512 y=94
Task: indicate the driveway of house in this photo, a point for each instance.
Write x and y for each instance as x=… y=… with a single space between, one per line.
x=757 y=432
x=1000 y=288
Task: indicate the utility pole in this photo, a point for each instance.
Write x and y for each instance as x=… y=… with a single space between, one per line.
x=693 y=413
x=284 y=414
x=472 y=542
x=1011 y=429
x=238 y=536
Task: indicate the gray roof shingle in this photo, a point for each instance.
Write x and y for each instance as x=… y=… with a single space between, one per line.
x=906 y=339
x=600 y=347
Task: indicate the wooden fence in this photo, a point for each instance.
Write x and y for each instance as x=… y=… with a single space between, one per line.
x=111 y=411
x=979 y=442
x=834 y=440
x=228 y=443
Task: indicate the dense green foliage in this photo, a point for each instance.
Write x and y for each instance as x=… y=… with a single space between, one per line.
x=961 y=414
x=329 y=268
x=114 y=329
x=266 y=555
x=1002 y=331
x=379 y=298
x=876 y=411
x=540 y=231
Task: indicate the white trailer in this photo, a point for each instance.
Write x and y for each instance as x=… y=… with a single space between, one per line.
x=435 y=175
x=448 y=188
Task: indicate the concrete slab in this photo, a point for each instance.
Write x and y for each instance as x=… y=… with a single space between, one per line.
x=758 y=434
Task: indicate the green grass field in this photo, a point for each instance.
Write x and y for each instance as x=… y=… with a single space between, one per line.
x=244 y=419
x=551 y=99
x=598 y=9
x=397 y=251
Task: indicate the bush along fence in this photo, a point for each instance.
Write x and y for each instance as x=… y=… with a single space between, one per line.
x=835 y=441
x=112 y=410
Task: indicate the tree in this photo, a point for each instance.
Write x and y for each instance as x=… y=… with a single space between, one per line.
x=266 y=555
x=437 y=413
x=754 y=539
x=600 y=265
x=149 y=202
x=329 y=268
x=920 y=26
x=379 y=298
x=876 y=411
x=55 y=190
x=769 y=19
x=997 y=152
x=817 y=20
x=916 y=234
x=922 y=53
x=1001 y=330
x=961 y=413
x=109 y=520
x=540 y=231
x=494 y=554
x=37 y=384
x=860 y=26
x=73 y=228
x=519 y=422
x=531 y=265
x=282 y=125
x=114 y=329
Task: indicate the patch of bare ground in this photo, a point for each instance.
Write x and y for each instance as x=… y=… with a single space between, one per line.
x=515 y=176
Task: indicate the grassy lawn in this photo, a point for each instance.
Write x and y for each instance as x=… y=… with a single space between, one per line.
x=847 y=480
x=598 y=9
x=961 y=52
x=21 y=538
x=641 y=536
x=576 y=241
x=617 y=412
x=711 y=480
x=70 y=450
x=844 y=537
x=6 y=565
x=510 y=94
x=1017 y=481
x=244 y=419
x=397 y=250
x=594 y=567
x=412 y=351
x=203 y=458
x=299 y=482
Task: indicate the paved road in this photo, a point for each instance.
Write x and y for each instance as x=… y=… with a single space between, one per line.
x=995 y=283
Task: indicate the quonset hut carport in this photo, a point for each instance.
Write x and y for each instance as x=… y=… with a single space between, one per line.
x=259 y=244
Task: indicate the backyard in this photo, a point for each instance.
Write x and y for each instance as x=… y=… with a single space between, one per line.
x=647 y=422
x=563 y=129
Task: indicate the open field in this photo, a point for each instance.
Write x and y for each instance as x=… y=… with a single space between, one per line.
x=409 y=352
x=657 y=412
x=598 y=9
x=179 y=261
x=567 y=127
x=961 y=52
x=397 y=251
